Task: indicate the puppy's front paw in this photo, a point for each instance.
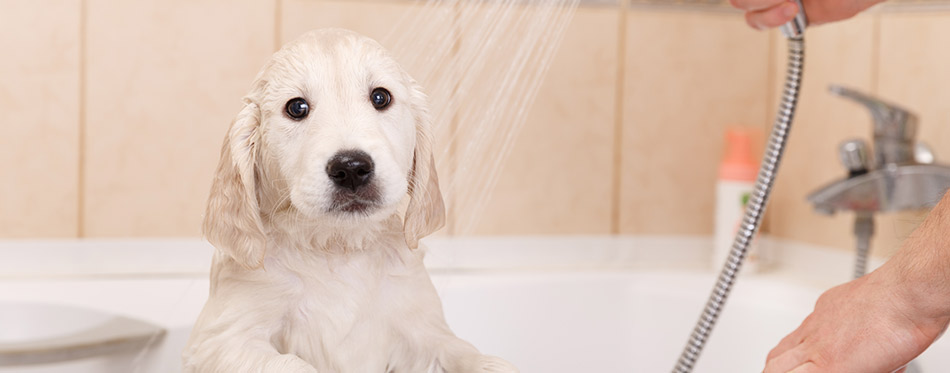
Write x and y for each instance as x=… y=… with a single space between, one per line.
x=288 y=363
x=492 y=364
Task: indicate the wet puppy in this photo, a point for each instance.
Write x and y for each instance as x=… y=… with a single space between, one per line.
x=316 y=268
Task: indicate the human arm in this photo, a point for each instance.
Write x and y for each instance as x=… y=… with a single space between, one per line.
x=880 y=322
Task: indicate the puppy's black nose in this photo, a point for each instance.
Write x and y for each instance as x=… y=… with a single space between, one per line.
x=350 y=169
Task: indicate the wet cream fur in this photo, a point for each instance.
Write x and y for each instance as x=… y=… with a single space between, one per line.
x=295 y=287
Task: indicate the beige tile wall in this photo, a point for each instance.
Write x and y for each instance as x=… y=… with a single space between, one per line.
x=163 y=81
x=378 y=20
x=688 y=76
x=39 y=118
x=130 y=152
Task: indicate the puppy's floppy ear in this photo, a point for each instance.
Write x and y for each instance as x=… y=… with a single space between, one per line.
x=426 y=211
x=232 y=220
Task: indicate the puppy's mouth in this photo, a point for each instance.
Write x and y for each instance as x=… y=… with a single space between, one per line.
x=359 y=202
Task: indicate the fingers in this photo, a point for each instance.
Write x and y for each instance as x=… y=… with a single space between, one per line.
x=754 y=5
x=772 y=17
x=787 y=343
x=788 y=361
x=808 y=367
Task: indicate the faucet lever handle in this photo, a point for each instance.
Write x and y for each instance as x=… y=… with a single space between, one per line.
x=890 y=121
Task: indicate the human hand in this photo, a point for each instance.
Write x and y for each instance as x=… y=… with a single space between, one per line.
x=872 y=324
x=763 y=14
x=881 y=321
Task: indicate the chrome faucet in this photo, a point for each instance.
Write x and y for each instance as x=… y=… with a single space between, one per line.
x=899 y=174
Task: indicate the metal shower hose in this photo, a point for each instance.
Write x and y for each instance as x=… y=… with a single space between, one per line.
x=754 y=209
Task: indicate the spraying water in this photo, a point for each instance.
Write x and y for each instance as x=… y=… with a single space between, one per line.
x=481 y=63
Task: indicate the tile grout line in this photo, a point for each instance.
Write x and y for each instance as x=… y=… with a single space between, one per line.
x=875 y=52
x=618 y=118
x=81 y=146
x=278 y=23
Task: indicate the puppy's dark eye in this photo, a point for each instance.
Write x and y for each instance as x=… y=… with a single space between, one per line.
x=380 y=98
x=297 y=108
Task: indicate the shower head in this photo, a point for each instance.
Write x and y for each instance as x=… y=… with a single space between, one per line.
x=796 y=27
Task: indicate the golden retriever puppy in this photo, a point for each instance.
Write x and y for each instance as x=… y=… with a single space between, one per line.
x=317 y=267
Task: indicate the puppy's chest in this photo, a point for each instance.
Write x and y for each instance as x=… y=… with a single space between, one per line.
x=339 y=305
x=341 y=315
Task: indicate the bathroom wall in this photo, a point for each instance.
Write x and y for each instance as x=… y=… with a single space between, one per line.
x=688 y=76
x=39 y=117
x=114 y=112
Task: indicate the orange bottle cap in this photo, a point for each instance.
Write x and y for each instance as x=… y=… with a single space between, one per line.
x=738 y=164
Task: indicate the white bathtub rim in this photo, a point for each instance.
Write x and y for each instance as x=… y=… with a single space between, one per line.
x=190 y=257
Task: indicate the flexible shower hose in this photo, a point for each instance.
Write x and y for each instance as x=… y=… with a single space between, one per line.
x=863 y=230
x=754 y=209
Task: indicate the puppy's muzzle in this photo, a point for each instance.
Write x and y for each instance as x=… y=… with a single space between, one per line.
x=350 y=169
x=352 y=173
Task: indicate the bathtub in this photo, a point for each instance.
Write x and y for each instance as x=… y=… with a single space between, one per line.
x=564 y=304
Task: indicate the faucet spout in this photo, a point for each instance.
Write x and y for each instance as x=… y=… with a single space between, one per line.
x=907 y=187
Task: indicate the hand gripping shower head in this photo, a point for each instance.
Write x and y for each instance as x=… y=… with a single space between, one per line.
x=796 y=27
x=755 y=209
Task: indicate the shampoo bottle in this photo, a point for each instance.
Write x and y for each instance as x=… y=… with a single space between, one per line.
x=737 y=174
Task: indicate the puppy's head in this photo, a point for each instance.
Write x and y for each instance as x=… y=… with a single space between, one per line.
x=333 y=132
